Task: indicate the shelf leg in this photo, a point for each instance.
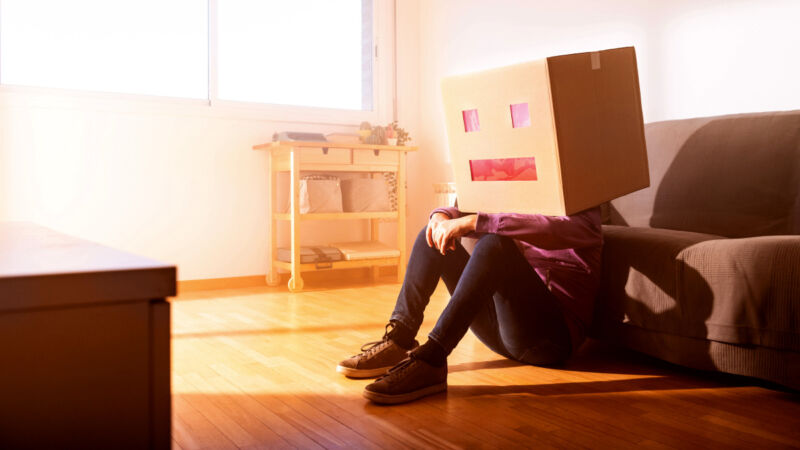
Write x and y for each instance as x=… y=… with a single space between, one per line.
x=272 y=278
x=272 y=183
x=295 y=282
x=374 y=235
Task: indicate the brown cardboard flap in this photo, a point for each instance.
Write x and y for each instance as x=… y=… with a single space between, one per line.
x=598 y=119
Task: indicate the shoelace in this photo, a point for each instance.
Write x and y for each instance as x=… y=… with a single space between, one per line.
x=401 y=367
x=372 y=347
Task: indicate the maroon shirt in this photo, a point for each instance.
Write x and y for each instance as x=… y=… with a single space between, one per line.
x=565 y=251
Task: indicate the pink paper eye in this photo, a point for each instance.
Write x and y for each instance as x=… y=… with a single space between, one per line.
x=520 y=117
x=471 y=120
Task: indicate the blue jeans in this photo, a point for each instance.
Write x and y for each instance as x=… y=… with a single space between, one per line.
x=495 y=292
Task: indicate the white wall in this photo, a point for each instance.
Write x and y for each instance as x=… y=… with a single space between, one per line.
x=715 y=57
x=162 y=181
x=696 y=57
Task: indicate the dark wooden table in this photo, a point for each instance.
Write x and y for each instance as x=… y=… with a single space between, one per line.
x=84 y=343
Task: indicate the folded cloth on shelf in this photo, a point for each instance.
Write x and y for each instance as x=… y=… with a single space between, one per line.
x=318 y=254
x=352 y=251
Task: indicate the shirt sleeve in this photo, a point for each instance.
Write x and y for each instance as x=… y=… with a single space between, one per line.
x=450 y=211
x=546 y=232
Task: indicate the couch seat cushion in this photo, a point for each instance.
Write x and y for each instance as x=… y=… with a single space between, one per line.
x=740 y=291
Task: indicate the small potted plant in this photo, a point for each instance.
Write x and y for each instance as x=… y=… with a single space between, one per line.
x=377 y=136
x=401 y=134
x=365 y=130
x=391 y=136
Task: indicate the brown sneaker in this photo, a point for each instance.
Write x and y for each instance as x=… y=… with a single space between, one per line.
x=375 y=359
x=411 y=379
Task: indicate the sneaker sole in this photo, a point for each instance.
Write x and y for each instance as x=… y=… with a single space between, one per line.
x=394 y=399
x=362 y=373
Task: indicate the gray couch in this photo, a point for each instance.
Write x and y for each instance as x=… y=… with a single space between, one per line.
x=702 y=269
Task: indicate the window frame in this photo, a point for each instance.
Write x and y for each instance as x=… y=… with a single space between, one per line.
x=383 y=85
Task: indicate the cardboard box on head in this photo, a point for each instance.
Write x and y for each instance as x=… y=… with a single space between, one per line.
x=554 y=136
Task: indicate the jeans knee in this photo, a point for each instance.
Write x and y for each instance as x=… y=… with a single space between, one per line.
x=493 y=243
x=422 y=235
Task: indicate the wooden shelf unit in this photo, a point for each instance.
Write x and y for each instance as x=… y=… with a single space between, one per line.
x=294 y=157
x=372 y=262
x=339 y=216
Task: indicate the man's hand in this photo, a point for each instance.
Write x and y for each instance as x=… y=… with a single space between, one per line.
x=436 y=219
x=442 y=232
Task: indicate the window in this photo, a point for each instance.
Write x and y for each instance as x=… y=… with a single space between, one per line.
x=310 y=53
x=148 y=47
x=302 y=55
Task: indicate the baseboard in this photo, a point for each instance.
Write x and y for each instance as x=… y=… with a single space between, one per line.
x=321 y=277
x=210 y=284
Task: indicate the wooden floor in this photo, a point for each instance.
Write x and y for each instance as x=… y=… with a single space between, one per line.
x=255 y=368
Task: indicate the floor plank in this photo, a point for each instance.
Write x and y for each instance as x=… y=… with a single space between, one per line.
x=255 y=368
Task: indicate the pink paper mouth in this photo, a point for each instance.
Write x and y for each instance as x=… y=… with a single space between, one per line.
x=503 y=169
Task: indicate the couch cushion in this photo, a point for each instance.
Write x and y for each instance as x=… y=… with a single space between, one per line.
x=740 y=291
x=754 y=285
x=639 y=282
x=733 y=176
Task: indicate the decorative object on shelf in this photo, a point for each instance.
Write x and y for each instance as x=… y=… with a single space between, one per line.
x=402 y=135
x=391 y=185
x=320 y=194
x=365 y=195
x=298 y=136
x=318 y=254
x=391 y=135
x=354 y=251
x=364 y=131
x=378 y=136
